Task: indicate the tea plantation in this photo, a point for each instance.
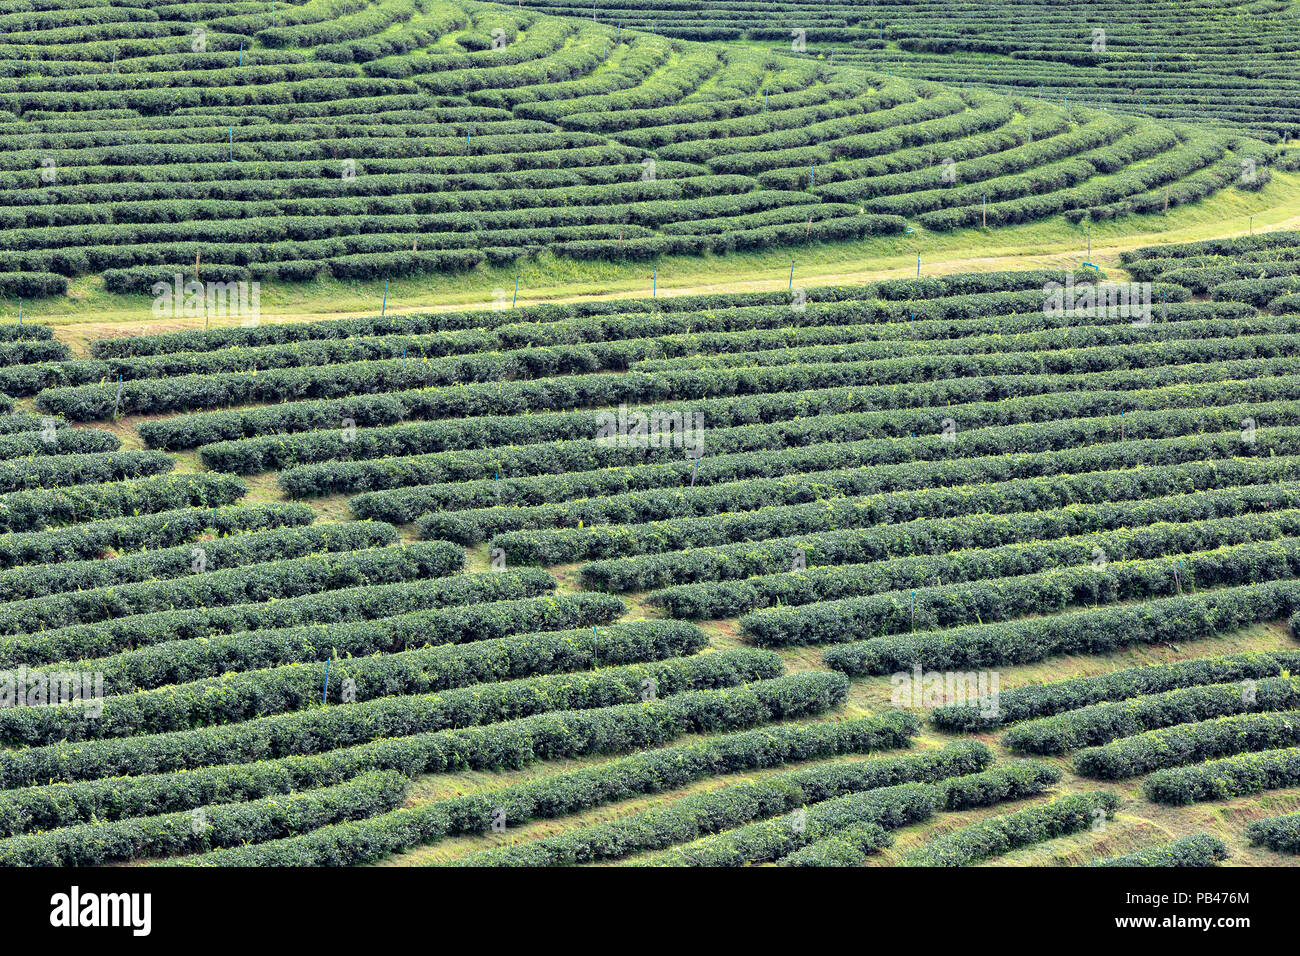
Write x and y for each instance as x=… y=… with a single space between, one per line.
x=923 y=572
x=972 y=541
x=372 y=140
x=1220 y=63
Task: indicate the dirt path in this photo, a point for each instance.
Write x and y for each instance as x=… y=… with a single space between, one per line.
x=79 y=333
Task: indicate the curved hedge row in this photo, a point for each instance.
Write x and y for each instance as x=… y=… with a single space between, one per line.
x=1277 y=833
x=248 y=695
x=234 y=551
x=566 y=545
x=489 y=659
x=32 y=285
x=824 y=470
x=1010 y=781
x=1226 y=778
x=1046 y=700
x=927 y=536
x=357 y=562
x=220 y=825
x=731 y=598
x=596 y=390
x=555 y=735
x=1100 y=723
x=342 y=845
x=1012 y=831
x=1199 y=849
x=327 y=728
x=1099 y=631
x=34 y=509
x=440 y=619
x=847 y=847
x=162 y=529
x=1190 y=743
x=424 y=323
x=185 y=392
x=850 y=619
x=12 y=422
x=66 y=441
x=150 y=396
x=765 y=840
x=75 y=469
x=738 y=804
x=328 y=439
x=736 y=425
x=748 y=495
x=533 y=475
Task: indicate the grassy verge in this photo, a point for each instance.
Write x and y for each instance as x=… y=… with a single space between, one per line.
x=89 y=312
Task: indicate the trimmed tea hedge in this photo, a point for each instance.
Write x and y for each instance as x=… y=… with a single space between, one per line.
x=739 y=804
x=1199 y=849
x=1012 y=831
x=1277 y=833
x=512 y=744
x=1226 y=778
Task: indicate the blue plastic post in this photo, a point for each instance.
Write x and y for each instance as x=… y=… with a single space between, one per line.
x=325 y=691
x=384 y=308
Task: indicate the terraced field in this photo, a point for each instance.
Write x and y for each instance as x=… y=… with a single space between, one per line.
x=1224 y=63
x=372 y=140
x=985 y=568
